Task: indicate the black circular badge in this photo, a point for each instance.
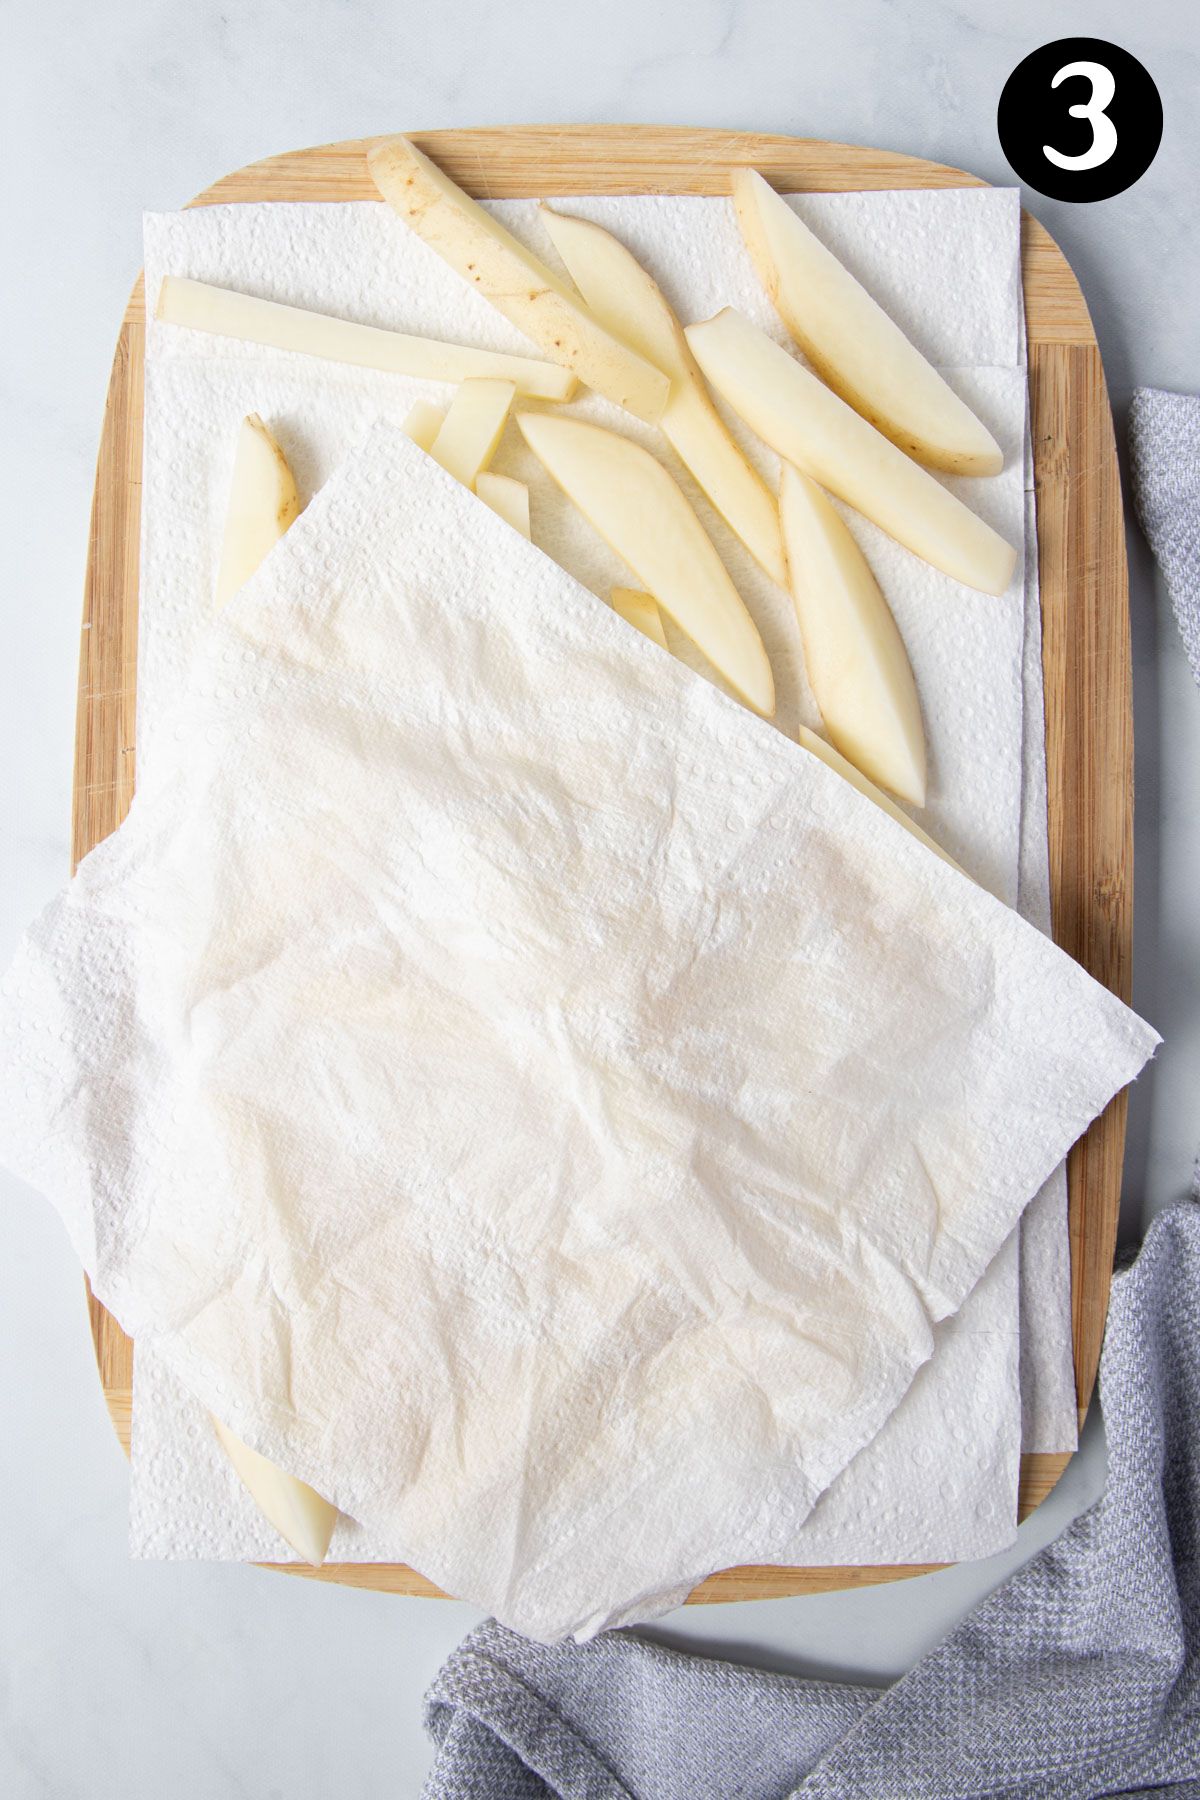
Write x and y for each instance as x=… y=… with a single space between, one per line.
x=1080 y=119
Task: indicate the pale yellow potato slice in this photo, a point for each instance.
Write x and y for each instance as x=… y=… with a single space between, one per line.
x=297 y=1512
x=846 y=769
x=537 y=301
x=507 y=497
x=641 y=611
x=423 y=423
x=262 y=504
x=853 y=344
x=637 y=508
x=855 y=658
x=471 y=429
x=199 y=307
x=811 y=426
x=630 y=304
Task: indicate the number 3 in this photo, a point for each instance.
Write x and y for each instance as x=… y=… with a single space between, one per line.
x=1104 y=132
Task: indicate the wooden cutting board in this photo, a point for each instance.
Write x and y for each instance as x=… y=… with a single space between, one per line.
x=1085 y=631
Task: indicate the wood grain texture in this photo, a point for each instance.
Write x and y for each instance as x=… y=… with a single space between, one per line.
x=1089 y=758
x=1085 y=617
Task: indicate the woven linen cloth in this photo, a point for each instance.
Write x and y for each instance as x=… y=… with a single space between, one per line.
x=1164 y=455
x=1079 y=1677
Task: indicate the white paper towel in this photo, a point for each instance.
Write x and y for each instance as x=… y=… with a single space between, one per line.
x=954 y=254
x=332 y=257
x=918 y=250
x=930 y=1487
x=378 y=909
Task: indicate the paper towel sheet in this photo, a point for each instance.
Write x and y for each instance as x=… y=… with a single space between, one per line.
x=921 y=254
x=953 y=253
x=355 y=261
x=931 y=1487
x=647 y=1368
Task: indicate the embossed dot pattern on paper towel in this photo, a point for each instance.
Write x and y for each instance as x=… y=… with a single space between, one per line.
x=269 y=1285
x=913 y=249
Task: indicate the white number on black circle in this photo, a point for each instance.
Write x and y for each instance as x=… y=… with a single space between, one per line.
x=1104 y=132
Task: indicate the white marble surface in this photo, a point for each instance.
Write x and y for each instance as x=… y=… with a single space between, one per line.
x=143 y=1680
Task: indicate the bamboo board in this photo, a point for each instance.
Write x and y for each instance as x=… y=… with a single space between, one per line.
x=1085 y=626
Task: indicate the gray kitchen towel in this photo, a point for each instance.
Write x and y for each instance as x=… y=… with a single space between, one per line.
x=1164 y=455
x=1080 y=1677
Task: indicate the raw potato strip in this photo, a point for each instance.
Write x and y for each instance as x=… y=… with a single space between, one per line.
x=507 y=497
x=199 y=307
x=637 y=508
x=298 y=1513
x=855 y=658
x=262 y=504
x=423 y=423
x=471 y=428
x=630 y=304
x=641 y=611
x=807 y=424
x=835 y=760
x=516 y=282
x=853 y=344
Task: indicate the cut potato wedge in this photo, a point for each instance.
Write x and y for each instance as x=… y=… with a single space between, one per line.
x=507 y=497
x=199 y=307
x=846 y=769
x=630 y=304
x=641 y=611
x=423 y=423
x=693 y=428
x=809 y=425
x=637 y=508
x=857 y=665
x=471 y=429
x=853 y=344
x=297 y=1512
x=517 y=282
x=262 y=504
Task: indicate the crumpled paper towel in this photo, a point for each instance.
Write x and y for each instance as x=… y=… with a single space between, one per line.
x=573 y=1230
x=948 y=264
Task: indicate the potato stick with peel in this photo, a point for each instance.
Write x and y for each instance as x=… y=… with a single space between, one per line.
x=263 y=502
x=806 y=423
x=536 y=300
x=853 y=344
x=641 y=611
x=629 y=302
x=198 y=307
x=633 y=503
